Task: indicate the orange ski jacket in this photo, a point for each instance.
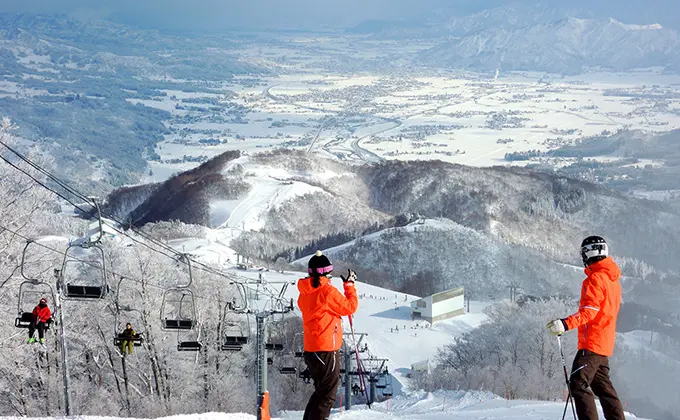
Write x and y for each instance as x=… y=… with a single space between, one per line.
x=321 y=309
x=599 y=308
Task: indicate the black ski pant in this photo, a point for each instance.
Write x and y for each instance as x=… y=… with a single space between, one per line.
x=40 y=326
x=590 y=378
x=324 y=367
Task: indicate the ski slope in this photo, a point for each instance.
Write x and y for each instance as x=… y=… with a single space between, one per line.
x=385 y=316
x=270 y=188
x=441 y=405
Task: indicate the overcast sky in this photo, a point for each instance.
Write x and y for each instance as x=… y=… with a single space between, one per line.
x=217 y=14
x=225 y=14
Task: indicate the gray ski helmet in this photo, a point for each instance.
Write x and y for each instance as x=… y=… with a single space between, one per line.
x=593 y=249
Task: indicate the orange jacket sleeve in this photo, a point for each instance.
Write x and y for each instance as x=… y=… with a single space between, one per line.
x=343 y=305
x=592 y=296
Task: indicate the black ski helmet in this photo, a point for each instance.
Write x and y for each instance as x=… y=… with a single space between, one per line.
x=593 y=249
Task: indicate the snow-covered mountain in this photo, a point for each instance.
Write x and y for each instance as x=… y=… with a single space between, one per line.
x=513 y=15
x=525 y=223
x=566 y=46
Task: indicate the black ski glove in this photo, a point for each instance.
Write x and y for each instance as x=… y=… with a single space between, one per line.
x=351 y=276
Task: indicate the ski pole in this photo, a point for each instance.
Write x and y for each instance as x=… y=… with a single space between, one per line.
x=566 y=379
x=359 y=370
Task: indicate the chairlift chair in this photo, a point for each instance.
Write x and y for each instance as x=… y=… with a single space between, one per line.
x=380 y=383
x=97 y=289
x=274 y=346
x=136 y=341
x=233 y=336
x=274 y=343
x=179 y=320
x=388 y=391
x=286 y=370
x=384 y=380
x=189 y=346
x=306 y=376
x=25 y=313
x=118 y=310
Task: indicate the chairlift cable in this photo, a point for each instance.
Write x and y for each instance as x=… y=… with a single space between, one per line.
x=89 y=263
x=199 y=265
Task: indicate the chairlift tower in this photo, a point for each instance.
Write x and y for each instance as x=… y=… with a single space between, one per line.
x=64 y=350
x=348 y=353
x=261 y=361
x=23 y=320
x=262 y=357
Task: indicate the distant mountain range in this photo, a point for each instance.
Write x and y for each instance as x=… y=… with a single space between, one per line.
x=512 y=16
x=567 y=46
x=541 y=35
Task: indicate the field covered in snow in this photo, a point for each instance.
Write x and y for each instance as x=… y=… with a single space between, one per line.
x=444 y=405
x=471 y=119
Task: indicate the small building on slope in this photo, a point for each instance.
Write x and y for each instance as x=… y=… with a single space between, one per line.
x=440 y=306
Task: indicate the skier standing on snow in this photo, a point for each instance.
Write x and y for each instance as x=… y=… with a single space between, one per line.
x=596 y=323
x=42 y=317
x=322 y=307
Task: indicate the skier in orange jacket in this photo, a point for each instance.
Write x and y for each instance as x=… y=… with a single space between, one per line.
x=322 y=307
x=596 y=323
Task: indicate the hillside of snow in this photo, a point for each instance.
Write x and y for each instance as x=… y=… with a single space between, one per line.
x=416 y=406
x=525 y=223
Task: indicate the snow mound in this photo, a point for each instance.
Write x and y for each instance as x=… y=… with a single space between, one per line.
x=203 y=416
x=440 y=405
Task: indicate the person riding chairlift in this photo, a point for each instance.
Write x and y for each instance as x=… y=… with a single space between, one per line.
x=42 y=318
x=128 y=335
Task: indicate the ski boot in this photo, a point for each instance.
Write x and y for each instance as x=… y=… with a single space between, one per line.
x=31 y=340
x=42 y=341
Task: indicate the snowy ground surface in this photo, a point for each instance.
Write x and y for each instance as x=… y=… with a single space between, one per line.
x=443 y=405
x=469 y=119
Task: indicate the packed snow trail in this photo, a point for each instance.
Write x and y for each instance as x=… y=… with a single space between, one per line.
x=440 y=405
